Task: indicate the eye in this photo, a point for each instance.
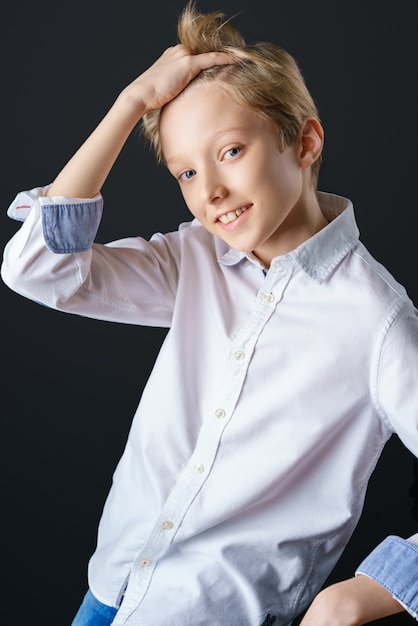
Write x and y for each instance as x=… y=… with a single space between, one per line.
x=187 y=175
x=232 y=152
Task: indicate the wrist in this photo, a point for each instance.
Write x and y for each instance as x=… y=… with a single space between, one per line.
x=132 y=102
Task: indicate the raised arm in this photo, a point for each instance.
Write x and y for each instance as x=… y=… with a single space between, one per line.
x=85 y=173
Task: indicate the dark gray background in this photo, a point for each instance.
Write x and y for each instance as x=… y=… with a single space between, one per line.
x=70 y=385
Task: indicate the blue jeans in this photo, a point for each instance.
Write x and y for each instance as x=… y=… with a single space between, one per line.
x=93 y=613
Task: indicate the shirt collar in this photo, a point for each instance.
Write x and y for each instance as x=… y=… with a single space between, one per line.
x=320 y=254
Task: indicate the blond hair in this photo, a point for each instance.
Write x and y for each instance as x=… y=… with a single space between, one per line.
x=266 y=79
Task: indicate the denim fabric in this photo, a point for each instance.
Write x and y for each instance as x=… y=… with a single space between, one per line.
x=93 y=613
x=392 y=564
x=69 y=228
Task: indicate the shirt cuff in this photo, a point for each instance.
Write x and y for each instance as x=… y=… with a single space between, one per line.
x=394 y=565
x=69 y=224
x=24 y=202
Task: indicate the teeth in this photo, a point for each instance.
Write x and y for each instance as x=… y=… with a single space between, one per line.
x=231 y=216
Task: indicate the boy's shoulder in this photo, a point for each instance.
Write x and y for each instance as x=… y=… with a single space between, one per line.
x=380 y=276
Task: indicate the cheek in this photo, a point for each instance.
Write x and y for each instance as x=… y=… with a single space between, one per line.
x=286 y=178
x=191 y=202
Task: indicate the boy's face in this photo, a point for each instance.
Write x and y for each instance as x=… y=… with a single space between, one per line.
x=233 y=177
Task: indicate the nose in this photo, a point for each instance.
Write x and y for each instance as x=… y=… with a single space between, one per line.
x=213 y=188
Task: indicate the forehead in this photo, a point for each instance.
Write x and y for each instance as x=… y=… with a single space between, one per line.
x=203 y=112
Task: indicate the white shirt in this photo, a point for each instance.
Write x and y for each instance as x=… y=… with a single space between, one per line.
x=270 y=402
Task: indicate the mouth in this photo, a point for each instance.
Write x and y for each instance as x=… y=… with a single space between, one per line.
x=232 y=216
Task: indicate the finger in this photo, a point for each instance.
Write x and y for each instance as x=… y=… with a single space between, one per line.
x=209 y=59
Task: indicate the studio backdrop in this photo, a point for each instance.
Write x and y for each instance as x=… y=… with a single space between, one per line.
x=70 y=385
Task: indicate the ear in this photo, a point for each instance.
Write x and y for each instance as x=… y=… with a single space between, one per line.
x=311 y=142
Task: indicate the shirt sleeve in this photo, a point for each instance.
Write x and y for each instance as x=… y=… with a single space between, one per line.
x=394 y=565
x=53 y=259
x=68 y=226
x=394 y=562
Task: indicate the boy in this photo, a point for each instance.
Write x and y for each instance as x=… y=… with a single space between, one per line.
x=290 y=359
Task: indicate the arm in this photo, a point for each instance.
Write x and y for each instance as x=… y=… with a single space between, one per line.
x=87 y=170
x=51 y=258
x=385 y=584
x=351 y=602
x=387 y=580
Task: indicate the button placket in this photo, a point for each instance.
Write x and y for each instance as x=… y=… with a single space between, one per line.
x=200 y=464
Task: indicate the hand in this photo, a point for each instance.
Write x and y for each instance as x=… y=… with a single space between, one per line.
x=351 y=602
x=85 y=173
x=170 y=74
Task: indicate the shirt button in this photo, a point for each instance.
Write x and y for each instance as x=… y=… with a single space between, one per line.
x=199 y=468
x=144 y=562
x=268 y=297
x=239 y=355
x=220 y=413
x=167 y=525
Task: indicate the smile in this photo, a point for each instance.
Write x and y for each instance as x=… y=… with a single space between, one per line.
x=227 y=218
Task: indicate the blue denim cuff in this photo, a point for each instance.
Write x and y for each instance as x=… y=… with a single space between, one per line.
x=69 y=228
x=394 y=565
